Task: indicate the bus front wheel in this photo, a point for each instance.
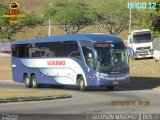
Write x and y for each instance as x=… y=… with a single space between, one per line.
x=34 y=81
x=82 y=86
x=27 y=81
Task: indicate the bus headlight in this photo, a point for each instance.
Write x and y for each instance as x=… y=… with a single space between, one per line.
x=101 y=76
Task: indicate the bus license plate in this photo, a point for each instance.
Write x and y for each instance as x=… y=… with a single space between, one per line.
x=115 y=83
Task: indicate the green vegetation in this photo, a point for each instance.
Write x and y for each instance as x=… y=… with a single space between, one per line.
x=71 y=16
x=151 y=19
x=8 y=30
x=114 y=16
x=28 y=93
x=75 y=16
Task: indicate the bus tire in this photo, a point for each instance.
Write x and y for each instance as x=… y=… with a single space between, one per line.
x=81 y=84
x=110 y=88
x=34 y=81
x=27 y=81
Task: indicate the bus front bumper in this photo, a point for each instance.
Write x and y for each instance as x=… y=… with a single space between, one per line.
x=113 y=81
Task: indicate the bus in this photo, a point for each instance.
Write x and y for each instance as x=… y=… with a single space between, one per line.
x=82 y=60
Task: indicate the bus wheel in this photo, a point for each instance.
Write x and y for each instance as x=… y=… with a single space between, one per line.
x=27 y=81
x=110 y=88
x=34 y=81
x=82 y=86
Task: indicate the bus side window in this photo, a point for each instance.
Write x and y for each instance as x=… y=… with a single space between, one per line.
x=75 y=54
x=71 y=49
x=40 y=50
x=89 y=57
x=14 y=51
x=54 y=49
x=18 y=51
x=31 y=50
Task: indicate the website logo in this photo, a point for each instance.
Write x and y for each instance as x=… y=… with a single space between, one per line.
x=14 y=13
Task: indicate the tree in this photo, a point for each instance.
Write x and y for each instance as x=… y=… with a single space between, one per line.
x=114 y=16
x=156 y=17
x=8 y=31
x=71 y=16
x=151 y=19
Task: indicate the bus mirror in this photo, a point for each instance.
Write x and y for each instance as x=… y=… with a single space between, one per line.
x=93 y=52
x=90 y=55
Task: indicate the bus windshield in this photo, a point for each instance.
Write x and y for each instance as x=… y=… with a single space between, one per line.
x=142 y=39
x=111 y=58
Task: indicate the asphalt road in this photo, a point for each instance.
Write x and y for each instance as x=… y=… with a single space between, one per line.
x=91 y=101
x=94 y=100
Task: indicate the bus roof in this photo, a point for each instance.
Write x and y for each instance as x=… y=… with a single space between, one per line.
x=97 y=37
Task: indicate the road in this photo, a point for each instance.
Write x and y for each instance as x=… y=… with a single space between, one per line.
x=83 y=102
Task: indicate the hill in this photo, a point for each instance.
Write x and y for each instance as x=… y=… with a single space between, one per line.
x=36 y=7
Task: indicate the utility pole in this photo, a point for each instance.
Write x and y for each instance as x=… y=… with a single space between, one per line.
x=49 y=21
x=130 y=20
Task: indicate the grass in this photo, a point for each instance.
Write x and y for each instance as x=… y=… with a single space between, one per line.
x=145 y=68
x=28 y=93
x=5 y=69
